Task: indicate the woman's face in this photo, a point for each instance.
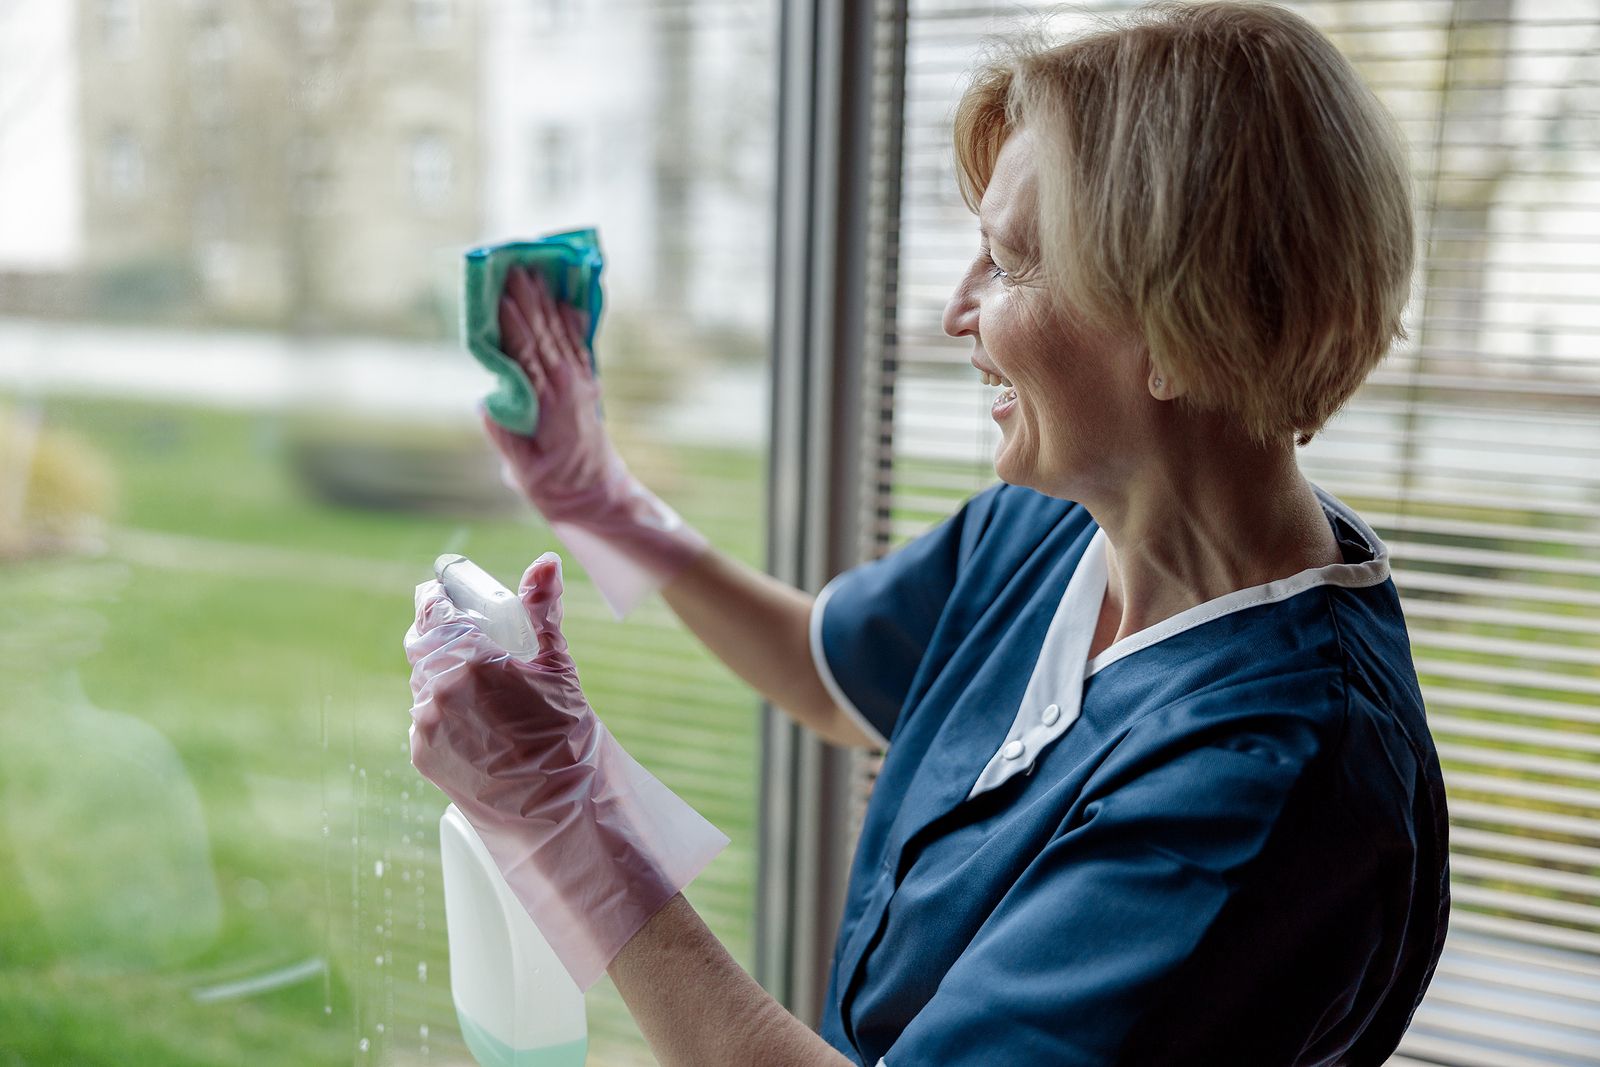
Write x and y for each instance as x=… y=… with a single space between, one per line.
x=1082 y=406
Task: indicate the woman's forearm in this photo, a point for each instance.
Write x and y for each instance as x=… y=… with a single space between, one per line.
x=761 y=628
x=699 y=1008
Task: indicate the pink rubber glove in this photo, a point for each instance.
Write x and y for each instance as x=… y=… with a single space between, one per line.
x=587 y=839
x=627 y=538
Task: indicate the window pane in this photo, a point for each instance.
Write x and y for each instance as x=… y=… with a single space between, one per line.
x=236 y=427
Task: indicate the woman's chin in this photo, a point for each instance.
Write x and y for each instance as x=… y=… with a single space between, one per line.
x=1011 y=462
x=1004 y=468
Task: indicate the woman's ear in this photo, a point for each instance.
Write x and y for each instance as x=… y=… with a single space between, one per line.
x=1164 y=385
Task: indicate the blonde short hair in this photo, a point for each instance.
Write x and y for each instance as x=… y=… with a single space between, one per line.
x=1217 y=179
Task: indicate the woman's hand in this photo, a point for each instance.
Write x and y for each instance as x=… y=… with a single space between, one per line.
x=592 y=846
x=587 y=839
x=491 y=730
x=569 y=454
x=626 y=537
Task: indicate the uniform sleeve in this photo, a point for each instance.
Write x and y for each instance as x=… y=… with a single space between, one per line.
x=871 y=624
x=1173 y=923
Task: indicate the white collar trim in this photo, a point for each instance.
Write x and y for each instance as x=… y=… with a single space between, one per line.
x=1347 y=575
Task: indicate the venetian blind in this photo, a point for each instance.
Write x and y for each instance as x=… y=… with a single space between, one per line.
x=1474 y=451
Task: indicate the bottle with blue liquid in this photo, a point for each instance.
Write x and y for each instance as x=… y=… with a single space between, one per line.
x=516 y=1004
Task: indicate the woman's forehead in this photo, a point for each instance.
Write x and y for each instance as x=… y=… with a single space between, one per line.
x=1010 y=203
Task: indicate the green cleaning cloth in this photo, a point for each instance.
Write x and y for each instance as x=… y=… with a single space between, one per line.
x=570 y=264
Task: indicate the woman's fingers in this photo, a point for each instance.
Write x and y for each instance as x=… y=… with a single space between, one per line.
x=435 y=609
x=577 y=322
x=540 y=590
x=516 y=340
x=440 y=625
x=556 y=324
x=560 y=347
x=526 y=291
x=568 y=340
x=516 y=449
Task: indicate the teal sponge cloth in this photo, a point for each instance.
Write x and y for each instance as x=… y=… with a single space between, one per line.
x=570 y=264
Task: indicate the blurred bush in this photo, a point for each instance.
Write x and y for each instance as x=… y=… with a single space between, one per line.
x=397 y=466
x=56 y=490
x=151 y=288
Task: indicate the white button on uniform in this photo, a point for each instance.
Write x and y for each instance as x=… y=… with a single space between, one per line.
x=1052 y=714
x=1012 y=750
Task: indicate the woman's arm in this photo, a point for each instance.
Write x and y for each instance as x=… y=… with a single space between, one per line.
x=699 y=1008
x=760 y=627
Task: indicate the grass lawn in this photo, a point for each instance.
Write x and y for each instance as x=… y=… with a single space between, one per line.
x=216 y=851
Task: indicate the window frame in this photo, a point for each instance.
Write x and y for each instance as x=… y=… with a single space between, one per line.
x=831 y=286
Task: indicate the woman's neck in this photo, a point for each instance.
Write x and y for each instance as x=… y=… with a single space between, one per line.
x=1195 y=526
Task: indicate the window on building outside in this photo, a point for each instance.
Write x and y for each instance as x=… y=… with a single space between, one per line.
x=311 y=171
x=315 y=18
x=119 y=25
x=432 y=169
x=124 y=165
x=555 y=162
x=432 y=18
x=556 y=14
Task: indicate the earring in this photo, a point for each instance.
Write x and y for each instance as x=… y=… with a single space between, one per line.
x=1158 y=383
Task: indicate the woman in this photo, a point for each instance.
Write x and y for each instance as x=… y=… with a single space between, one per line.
x=1158 y=785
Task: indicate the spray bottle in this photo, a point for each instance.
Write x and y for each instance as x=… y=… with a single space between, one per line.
x=516 y=1003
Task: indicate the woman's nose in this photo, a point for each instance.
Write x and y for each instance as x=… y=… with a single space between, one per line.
x=960 y=312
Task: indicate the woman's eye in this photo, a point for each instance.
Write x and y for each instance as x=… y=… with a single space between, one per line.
x=995 y=270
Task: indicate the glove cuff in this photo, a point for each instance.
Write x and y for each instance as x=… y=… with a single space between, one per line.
x=604 y=866
x=632 y=549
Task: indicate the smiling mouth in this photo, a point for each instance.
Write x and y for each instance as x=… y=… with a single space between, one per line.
x=1001 y=380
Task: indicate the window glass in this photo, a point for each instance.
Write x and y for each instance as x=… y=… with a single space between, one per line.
x=236 y=428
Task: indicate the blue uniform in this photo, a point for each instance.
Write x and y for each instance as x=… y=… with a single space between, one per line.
x=1221 y=841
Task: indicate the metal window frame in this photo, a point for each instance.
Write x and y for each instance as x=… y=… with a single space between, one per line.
x=833 y=269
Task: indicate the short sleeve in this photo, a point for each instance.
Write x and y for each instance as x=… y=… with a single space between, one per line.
x=1167 y=925
x=871 y=624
